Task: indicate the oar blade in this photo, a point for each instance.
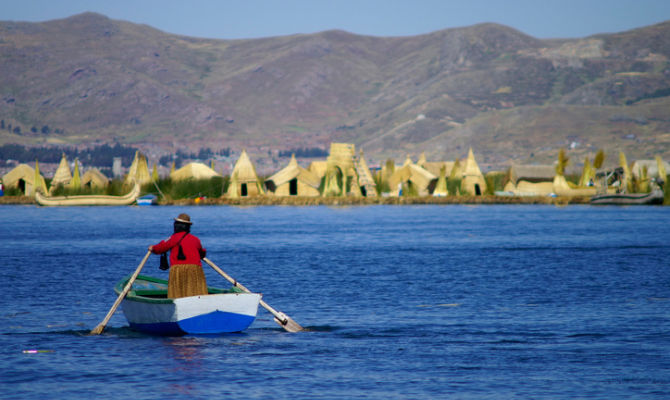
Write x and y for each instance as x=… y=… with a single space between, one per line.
x=280 y=318
x=288 y=323
x=97 y=330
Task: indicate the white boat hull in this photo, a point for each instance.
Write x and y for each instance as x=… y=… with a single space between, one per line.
x=207 y=314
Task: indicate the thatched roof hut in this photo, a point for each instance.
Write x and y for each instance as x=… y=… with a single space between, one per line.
x=193 y=170
x=318 y=168
x=139 y=170
x=434 y=167
x=94 y=178
x=413 y=176
x=293 y=180
x=63 y=175
x=531 y=173
x=366 y=181
x=244 y=181
x=26 y=178
x=525 y=188
x=473 y=181
x=530 y=179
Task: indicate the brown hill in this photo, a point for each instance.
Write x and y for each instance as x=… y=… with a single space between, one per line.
x=510 y=96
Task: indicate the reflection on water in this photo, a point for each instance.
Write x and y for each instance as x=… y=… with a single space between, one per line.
x=185 y=348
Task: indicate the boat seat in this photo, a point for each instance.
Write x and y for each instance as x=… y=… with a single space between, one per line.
x=150 y=293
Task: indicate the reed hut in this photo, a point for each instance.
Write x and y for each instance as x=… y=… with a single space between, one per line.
x=473 y=181
x=435 y=167
x=93 y=178
x=62 y=176
x=531 y=173
x=194 y=170
x=26 y=178
x=293 y=180
x=244 y=181
x=139 y=170
x=318 y=168
x=530 y=180
x=525 y=188
x=413 y=178
x=366 y=181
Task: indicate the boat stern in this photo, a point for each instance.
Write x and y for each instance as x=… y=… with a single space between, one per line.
x=147 y=309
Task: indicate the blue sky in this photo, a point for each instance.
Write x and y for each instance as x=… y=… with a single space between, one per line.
x=233 y=19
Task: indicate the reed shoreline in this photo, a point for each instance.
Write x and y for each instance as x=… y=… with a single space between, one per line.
x=348 y=201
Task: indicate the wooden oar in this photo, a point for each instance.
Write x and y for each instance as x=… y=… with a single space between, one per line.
x=98 y=329
x=282 y=319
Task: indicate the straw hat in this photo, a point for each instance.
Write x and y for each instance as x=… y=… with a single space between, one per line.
x=184 y=218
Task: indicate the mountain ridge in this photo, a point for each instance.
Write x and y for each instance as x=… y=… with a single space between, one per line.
x=487 y=86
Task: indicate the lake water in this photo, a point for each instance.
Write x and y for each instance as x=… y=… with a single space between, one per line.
x=400 y=302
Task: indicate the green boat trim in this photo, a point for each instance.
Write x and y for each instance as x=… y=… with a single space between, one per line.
x=148 y=289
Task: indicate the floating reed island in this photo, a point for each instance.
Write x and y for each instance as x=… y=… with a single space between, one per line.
x=344 y=178
x=366 y=201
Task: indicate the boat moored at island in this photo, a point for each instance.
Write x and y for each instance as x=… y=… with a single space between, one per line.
x=622 y=199
x=89 y=200
x=147 y=200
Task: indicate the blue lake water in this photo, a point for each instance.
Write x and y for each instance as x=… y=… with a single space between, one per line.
x=400 y=302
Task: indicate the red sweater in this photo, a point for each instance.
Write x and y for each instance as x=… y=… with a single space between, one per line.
x=191 y=246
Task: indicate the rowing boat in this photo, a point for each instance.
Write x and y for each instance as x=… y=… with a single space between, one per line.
x=88 y=200
x=148 y=309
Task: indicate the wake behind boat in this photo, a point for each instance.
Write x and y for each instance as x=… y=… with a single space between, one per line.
x=148 y=309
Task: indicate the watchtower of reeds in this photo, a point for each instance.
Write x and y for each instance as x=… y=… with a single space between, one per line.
x=346 y=173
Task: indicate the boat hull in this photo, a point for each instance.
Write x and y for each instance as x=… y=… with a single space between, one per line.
x=147 y=309
x=148 y=200
x=654 y=197
x=88 y=200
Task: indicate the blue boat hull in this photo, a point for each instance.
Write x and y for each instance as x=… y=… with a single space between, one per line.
x=212 y=323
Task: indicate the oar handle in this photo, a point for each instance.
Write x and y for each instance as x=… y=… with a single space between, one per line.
x=282 y=319
x=98 y=329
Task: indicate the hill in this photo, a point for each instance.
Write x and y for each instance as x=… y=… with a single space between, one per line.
x=90 y=79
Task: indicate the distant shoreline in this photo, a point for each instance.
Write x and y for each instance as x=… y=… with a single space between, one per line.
x=350 y=201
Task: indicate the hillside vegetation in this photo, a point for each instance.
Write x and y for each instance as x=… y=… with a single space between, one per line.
x=90 y=79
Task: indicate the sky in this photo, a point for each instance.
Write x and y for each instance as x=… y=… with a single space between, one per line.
x=239 y=19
